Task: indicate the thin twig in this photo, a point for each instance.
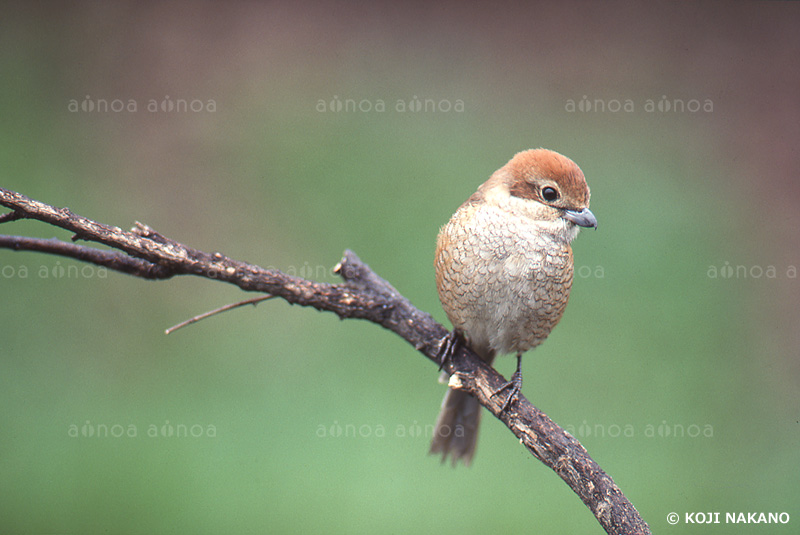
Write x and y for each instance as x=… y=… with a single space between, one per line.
x=10 y=216
x=253 y=301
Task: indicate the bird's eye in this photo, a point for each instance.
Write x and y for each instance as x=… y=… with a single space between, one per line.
x=549 y=194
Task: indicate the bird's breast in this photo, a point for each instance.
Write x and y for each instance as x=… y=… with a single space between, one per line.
x=503 y=281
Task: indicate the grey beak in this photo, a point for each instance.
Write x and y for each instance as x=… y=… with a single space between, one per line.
x=584 y=218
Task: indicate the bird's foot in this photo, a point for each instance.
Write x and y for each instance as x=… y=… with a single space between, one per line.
x=515 y=384
x=447 y=348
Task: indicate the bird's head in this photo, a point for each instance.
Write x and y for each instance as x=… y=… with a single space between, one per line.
x=545 y=186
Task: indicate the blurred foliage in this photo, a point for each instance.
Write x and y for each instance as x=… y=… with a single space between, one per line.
x=282 y=419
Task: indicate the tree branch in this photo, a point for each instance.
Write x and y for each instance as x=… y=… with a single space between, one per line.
x=364 y=295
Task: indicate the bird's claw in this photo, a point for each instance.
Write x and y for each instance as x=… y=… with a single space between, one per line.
x=515 y=384
x=447 y=348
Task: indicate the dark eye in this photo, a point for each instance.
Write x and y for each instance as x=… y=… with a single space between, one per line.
x=549 y=194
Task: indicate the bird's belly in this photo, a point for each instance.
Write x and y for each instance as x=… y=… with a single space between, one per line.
x=516 y=303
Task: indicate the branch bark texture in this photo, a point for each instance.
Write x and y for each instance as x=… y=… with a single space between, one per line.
x=143 y=252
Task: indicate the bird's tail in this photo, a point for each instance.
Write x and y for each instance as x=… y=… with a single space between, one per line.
x=456 y=431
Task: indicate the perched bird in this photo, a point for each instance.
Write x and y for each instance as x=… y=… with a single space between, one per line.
x=504 y=271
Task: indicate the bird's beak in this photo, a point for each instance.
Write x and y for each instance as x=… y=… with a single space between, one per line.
x=584 y=218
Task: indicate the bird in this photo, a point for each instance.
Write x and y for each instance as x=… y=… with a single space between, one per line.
x=504 y=269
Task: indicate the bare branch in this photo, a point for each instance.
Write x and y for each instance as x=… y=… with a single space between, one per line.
x=364 y=295
x=110 y=259
x=252 y=301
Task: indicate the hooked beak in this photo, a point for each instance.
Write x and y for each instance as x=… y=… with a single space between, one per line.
x=584 y=218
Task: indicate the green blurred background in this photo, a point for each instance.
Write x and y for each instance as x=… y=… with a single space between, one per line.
x=676 y=363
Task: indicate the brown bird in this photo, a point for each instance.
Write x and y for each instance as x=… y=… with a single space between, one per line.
x=504 y=272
